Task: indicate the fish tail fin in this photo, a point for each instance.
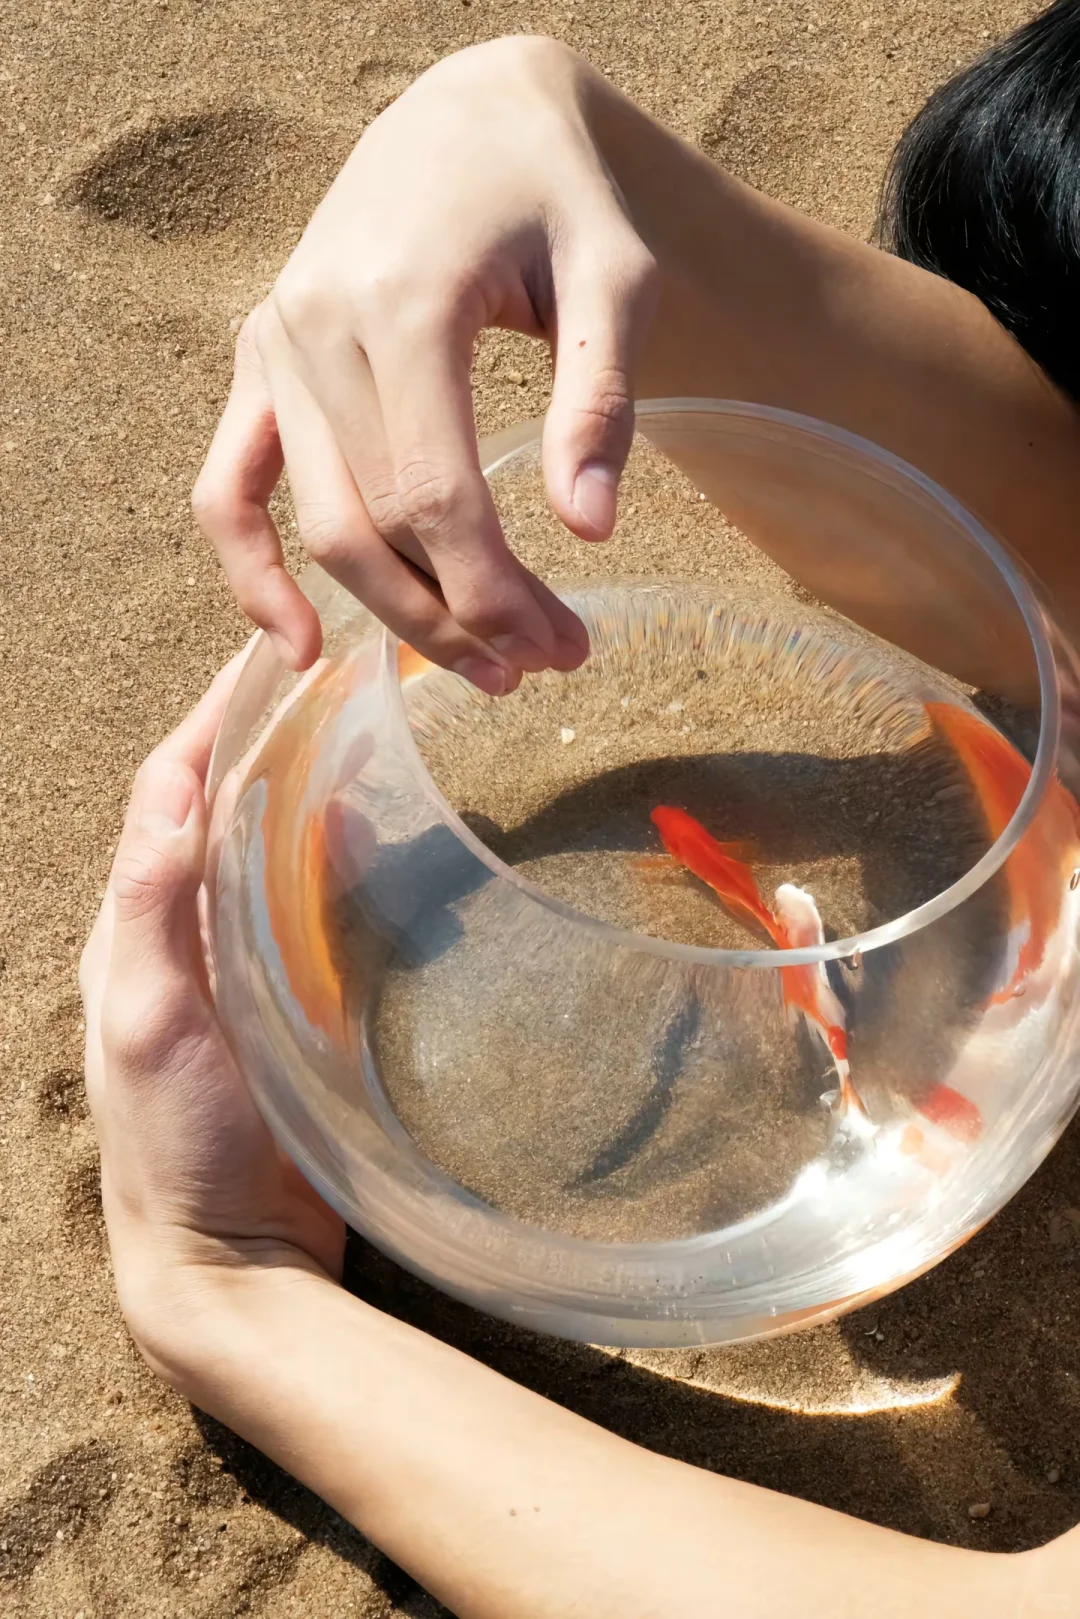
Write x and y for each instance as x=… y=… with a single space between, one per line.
x=998 y=772
x=850 y=1100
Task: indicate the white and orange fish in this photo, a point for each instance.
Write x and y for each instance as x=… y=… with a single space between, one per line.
x=1043 y=910
x=794 y=924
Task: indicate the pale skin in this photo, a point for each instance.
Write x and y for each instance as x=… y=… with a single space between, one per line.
x=545 y=194
x=513 y=186
x=503 y=1505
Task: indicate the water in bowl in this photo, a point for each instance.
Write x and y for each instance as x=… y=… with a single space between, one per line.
x=558 y=1078
x=625 y=1097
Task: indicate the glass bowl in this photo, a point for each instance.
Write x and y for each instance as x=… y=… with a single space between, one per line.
x=567 y=1058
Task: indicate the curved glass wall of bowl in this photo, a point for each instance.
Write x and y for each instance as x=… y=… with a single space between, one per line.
x=533 y=1056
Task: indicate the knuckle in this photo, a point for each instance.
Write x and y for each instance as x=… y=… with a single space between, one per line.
x=430 y=495
x=209 y=505
x=253 y=597
x=641 y=271
x=536 y=55
x=145 y=775
x=482 y=611
x=87 y=958
x=247 y=586
x=402 y=293
x=383 y=286
x=299 y=300
x=123 y=1030
x=485 y=622
x=435 y=635
x=326 y=534
x=249 y=339
x=140 y=876
x=396 y=286
x=609 y=401
x=384 y=505
x=139 y=1026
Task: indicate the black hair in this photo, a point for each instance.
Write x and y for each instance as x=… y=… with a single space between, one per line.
x=984 y=188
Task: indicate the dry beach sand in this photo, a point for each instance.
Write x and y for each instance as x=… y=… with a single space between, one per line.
x=159 y=161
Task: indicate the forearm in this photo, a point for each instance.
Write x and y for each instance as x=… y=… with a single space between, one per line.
x=508 y=1507
x=760 y=303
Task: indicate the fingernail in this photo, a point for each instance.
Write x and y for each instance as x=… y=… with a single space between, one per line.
x=519 y=650
x=481 y=672
x=594 y=495
x=167 y=802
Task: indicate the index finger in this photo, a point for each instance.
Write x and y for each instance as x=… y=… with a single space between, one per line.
x=426 y=403
x=190 y=744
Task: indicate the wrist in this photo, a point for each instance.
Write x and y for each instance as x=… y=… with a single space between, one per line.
x=191 y=1316
x=690 y=214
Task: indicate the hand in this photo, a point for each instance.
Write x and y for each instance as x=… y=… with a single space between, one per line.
x=226 y=1264
x=194 y=1189
x=478 y=199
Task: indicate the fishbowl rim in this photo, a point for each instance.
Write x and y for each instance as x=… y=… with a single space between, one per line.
x=527 y=436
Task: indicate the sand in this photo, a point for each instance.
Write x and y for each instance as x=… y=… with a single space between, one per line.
x=159 y=162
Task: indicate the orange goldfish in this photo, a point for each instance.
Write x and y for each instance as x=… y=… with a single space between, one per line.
x=718 y=864
x=794 y=925
x=301 y=886
x=298 y=878
x=411 y=663
x=1041 y=865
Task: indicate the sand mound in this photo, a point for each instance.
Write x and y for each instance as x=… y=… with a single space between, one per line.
x=180 y=176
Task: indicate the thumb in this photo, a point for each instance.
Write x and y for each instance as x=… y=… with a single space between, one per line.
x=158 y=870
x=155 y=879
x=603 y=316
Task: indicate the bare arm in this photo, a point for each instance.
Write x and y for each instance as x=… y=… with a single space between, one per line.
x=759 y=302
x=504 y=1505
x=507 y=1507
x=514 y=186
